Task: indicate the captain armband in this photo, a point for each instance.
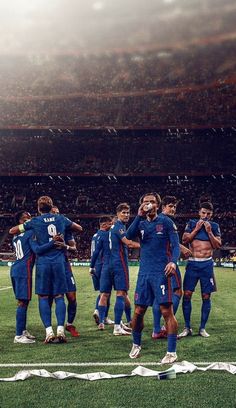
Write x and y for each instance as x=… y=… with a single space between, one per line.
x=21 y=228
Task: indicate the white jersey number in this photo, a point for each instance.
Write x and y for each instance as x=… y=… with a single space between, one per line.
x=52 y=231
x=18 y=249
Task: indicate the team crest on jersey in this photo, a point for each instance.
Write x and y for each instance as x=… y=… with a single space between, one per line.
x=159 y=227
x=121 y=231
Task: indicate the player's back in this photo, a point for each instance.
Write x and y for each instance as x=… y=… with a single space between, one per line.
x=24 y=254
x=119 y=251
x=45 y=227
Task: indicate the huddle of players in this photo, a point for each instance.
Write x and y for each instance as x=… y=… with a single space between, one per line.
x=159 y=280
x=44 y=241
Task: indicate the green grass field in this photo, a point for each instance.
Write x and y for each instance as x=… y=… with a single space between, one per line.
x=203 y=389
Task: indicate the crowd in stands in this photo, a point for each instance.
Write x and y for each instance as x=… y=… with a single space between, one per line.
x=120 y=152
x=152 y=88
x=84 y=199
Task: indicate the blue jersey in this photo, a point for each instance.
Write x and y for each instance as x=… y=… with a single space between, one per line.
x=202 y=235
x=100 y=249
x=24 y=263
x=45 y=227
x=159 y=243
x=119 y=251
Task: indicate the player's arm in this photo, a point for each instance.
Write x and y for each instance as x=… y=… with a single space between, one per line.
x=175 y=249
x=185 y=252
x=189 y=235
x=73 y=226
x=215 y=240
x=130 y=244
x=18 y=229
x=96 y=253
x=71 y=246
x=41 y=249
x=133 y=230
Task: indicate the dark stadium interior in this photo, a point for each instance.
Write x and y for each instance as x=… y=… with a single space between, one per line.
x=103 y=100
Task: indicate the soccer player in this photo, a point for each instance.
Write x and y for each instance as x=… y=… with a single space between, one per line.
x=169 y=205
x=70 y=247
x=21 y=275
x=50 y=270
x=204 y=236
x=157 y=265
x=100 y=255
x=119 y=245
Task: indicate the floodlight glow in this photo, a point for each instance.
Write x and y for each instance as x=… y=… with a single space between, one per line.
x=98 y=5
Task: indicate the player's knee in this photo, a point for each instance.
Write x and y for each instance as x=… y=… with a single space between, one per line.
x=137 y=321
x=71 y=297
x=187 y=295
x=22 y=303
x=178 y=292
x=206 y=296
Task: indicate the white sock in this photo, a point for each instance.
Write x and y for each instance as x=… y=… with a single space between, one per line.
x=49 y=330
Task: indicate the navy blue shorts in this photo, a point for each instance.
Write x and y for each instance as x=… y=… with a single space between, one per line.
x=70 y=280
x=150 y=287
x=50 y=279
x=106 y=279
x=200 y=271
x=176 y=280
x=22 y=287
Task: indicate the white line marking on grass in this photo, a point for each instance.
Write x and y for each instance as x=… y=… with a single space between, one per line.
x=6 y=287
x=118 y=364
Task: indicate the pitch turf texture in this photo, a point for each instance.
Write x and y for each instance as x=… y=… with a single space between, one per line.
x=203 y=389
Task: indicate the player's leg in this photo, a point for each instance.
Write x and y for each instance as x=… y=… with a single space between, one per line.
x=107 y=319
x=137 y=328
x=22 y=288
x=172 y=328
x=128 y=310
x=96 y=284
x=157 y=332
x=190 y=281
x=102 y=307
x=71 y=313
x=208 y=285
x=59 y=288
x=121 y=285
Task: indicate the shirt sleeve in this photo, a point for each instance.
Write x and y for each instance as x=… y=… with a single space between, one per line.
x=174 y=241
x=96 y=253
x=133 y=230
x=40 y=249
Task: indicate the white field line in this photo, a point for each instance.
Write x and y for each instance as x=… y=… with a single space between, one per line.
x=6 y=287
x=118 y=364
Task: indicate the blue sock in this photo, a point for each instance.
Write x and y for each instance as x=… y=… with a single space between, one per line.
x=128 y=313
x=97 y=301
x=137 y=336
x=206 y=308
x=187 y=308
x=119 y=308
x=71 y=311
x=175 y=299
x=108 y=306
x=102 y=312
x=60 y=310
x=45 y=312
x=171 y=339
x=21 y=314
x=156 y=317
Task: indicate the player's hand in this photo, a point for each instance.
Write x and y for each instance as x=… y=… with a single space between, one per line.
x=207 y=226
x=60 y=245
x=92 y=271
x=199 y=225
x=186 y=253
x=143 y=210
x=58 y=237
x=170 y=269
